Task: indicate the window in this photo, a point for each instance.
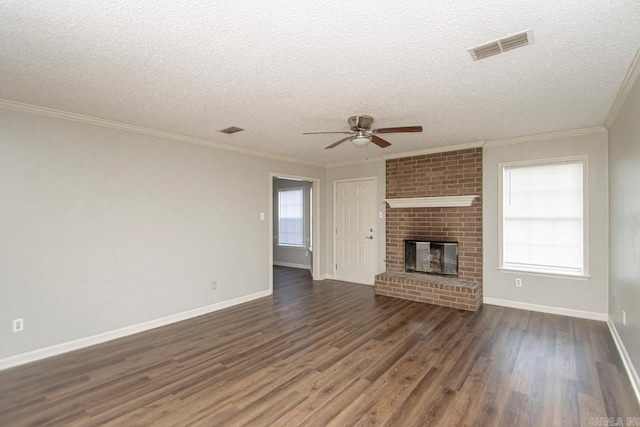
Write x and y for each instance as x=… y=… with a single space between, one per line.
x=543 y=217
x=290 y=217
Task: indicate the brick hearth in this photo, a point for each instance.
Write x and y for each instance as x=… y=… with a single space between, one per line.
x=440 y=290
x=454 y=173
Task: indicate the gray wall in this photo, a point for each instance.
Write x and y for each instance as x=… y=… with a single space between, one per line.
x=624 y=225
x=588 y=295
x=373 y=168
x=102 y=229
x=287 y=254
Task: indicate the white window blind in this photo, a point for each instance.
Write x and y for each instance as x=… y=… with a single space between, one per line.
x=290 y=217
x=543 y=218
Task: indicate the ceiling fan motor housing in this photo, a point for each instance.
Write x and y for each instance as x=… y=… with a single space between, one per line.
x=360 y=122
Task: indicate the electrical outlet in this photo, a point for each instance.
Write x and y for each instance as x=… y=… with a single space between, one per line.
x=214 y=285
x=624 y=318
x=18 y=325
x=518 y=282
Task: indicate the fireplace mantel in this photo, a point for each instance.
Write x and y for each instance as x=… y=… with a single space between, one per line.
x=431 y=202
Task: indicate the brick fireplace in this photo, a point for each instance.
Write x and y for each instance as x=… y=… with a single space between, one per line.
x=453 y=173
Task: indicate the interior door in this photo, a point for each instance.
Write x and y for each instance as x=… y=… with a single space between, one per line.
x=356 y=231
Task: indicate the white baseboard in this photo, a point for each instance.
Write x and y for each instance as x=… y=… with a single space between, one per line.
x=54 y=350
x=291 y=264
x=626 y=360
x=592 y=315
x=325 y=277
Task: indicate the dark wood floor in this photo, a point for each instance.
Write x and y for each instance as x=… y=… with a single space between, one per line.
x=319 y=353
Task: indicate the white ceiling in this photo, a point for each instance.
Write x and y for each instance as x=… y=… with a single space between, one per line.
x=279 y=68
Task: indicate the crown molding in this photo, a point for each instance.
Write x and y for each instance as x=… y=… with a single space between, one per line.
x=64 y=115
x=354 y=162
x=75 y=117
x=623 y=92
x=546 y=136
x=433 y=150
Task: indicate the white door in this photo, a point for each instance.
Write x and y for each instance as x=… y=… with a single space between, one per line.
x=356 y=231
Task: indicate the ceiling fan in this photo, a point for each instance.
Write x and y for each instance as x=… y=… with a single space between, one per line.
x=361 y=133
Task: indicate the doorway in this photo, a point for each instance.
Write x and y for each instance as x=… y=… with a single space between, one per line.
x=294 y=223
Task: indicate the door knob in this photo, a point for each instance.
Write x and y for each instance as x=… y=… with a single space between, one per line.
x=369 y=237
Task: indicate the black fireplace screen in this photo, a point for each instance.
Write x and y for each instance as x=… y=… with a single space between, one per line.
x=431 y=257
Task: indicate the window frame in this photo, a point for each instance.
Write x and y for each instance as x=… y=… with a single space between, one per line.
x=288 y=245
x=585 y=215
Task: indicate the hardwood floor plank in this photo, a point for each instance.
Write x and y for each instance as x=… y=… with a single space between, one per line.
x=586 y=370
x=461 y=362
x=467 y=402
x=539 y=399
x=493 y=398
x=523 y=370
x=329 y=410
x=566 y=408
x=332 y=353
x=391 y=388
x=437 y=412
x=515 y=413
x=590 y=408
x=565 y=355
x=613 y=384
x=412 y=409
x=353 y=412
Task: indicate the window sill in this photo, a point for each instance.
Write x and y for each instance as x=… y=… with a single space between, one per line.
x=291 y=246
x=553 y=275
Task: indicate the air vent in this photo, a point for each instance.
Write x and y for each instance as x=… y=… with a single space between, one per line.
x=231 y=130
x=501 y=45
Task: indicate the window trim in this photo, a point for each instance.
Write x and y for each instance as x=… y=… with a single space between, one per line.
x=277 y=233
x=584 y=158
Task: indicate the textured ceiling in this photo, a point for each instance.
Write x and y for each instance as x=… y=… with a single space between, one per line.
x=279 y=68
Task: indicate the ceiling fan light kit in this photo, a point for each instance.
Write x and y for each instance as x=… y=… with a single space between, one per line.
x=362 y=134
x=361 y=139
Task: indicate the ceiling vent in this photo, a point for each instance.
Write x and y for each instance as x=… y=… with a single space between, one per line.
x=499 y=46
x=231 y=130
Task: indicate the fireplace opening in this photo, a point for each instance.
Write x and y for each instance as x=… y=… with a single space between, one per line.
x=425 y=256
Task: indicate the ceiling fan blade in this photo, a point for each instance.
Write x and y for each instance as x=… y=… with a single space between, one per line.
x=337 y=143
x=318 y=133
x=379 y=141
x=400 y=129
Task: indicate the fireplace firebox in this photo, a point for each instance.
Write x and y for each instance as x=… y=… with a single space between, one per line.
x=425 y=256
